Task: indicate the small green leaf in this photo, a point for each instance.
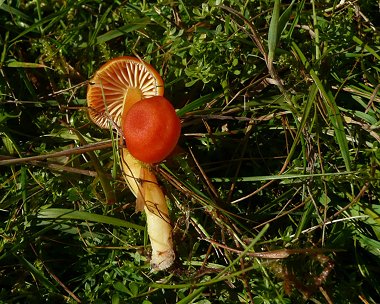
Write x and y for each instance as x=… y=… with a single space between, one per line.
x=133 y=287
x=115 y=298
x=324 y=199
x=121 y=287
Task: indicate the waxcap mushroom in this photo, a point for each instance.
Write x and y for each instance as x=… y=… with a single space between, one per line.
x=114 y=89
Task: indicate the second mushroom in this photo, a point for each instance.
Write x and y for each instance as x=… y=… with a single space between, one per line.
x=126 y=94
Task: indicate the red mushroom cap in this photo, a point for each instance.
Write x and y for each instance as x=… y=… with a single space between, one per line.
x=151 y=129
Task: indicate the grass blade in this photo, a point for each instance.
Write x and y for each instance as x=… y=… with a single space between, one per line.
x=112 y=34
x=18 y=64
x=13 y=11
x=366 y=47
x=284 y=18
x=332 y=108
x=37 y=274
x=198 y=103
x=273 y=34
x=58 y=213
x=288 y=176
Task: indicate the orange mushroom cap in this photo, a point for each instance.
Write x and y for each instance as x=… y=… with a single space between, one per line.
x=117 y=85
x=151 y=129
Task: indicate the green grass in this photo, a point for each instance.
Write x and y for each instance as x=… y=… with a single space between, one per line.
x=274 y=197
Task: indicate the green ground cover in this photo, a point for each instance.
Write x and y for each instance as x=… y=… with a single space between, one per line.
x=274 y=197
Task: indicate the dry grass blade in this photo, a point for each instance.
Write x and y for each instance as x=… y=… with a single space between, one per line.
x=7 y=160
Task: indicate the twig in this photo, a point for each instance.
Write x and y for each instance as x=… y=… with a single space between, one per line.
x=56 y=278
x=372 y=98
x=60 y=167
x=276 y=254
x=208 y=181
x=6 y=161
x=354 y=201
x=254 y=192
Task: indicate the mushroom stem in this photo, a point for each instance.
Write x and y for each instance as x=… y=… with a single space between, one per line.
x=158 y=221
x=151 y=199
x=131 y=168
